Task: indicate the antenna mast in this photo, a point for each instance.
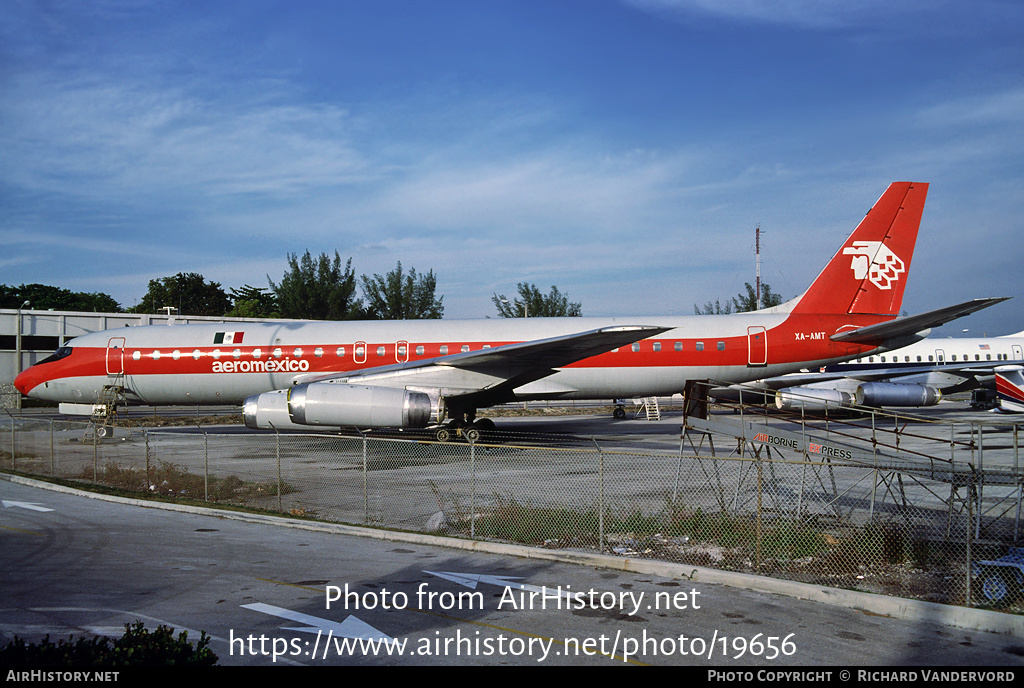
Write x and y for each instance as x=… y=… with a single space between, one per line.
x=757 y=252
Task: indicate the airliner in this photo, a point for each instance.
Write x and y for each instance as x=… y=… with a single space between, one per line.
x=913 y=376
x=1010 y=388
x=439 y=373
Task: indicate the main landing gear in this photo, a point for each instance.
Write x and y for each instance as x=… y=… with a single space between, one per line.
x=620 y=409
x=468 y=427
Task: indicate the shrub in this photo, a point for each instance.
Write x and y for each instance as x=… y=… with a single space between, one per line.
x=137 y=647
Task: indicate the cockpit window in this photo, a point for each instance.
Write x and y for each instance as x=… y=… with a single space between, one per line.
x=60 y=353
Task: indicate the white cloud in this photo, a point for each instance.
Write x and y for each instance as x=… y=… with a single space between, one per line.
x=1000 y=107
x=114 y=139
x=542 y=191
x=807 y=14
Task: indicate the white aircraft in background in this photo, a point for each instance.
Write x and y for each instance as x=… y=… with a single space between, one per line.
x=915 y=375
x=416 y=373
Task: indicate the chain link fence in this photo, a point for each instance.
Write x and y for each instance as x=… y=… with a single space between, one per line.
x=908 y=528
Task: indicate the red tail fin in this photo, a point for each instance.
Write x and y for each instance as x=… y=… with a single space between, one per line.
x=869 y=273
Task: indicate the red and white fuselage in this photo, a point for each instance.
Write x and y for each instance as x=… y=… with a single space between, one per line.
x=164 y=364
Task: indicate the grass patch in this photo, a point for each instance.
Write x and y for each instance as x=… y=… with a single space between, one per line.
x=792 y=540
x=516 y=522
x=720 y=529
x=511 y=520
x=873 y=544
x=172 y=480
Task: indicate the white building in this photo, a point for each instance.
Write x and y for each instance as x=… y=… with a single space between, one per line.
x=28 y=336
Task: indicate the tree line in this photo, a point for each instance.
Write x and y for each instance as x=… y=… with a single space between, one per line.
x=321 y=289
x=312 y=288
x=741 y=303
x=46 y=297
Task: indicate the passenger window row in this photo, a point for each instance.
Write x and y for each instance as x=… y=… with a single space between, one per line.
x=359 y=351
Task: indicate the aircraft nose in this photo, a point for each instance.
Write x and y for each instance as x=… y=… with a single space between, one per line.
x=26 y=381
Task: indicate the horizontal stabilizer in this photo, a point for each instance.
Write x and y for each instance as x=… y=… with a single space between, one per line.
x=1010 y=388
x=879 y=334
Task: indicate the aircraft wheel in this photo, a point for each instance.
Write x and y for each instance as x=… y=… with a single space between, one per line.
x=995 y=588
x=102 y=431
x=619 y=412
x=472 y=434
x=443 y=435
x=485 y=424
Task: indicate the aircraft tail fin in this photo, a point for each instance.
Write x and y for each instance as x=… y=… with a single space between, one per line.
x=1010 y=388
x=868 y=275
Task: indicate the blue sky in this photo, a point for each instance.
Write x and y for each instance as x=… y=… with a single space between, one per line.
x=622 y=150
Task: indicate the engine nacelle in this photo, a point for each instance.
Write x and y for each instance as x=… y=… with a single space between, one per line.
x=337 y=405
x=892 y=394
x=269 y=411
x=364 y=406
x=811 y=399
x=742 y=394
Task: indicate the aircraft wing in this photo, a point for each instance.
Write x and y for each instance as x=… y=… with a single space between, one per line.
x=507 y=365
x=410 y=394
x=555 y=352
x=903 y=330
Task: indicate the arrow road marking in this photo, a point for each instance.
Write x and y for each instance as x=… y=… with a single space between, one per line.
x=470 y=580
x=25 y=505
x=351 y=627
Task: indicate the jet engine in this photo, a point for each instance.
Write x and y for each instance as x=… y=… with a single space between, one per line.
x=811 y=399
x=747 y=394
x=337 y=405
x=875 y=394
x=891 y=394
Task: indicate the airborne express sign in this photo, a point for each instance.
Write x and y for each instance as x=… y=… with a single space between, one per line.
x=793 y=441
x=795 y=444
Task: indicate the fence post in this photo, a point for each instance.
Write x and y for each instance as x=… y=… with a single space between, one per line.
x=1016 y=450
x=53 y=455
x=206 y=465
x=277 y=445
x=366 y=489
x=149 y=480
x=679 y=472
x=758 y=534
x=472 y=487
x=967 y=538
x=600 y=496
x=952 y=445
x=874 y=470
x=896 y=430
x=1020 y=484
x=980 y=466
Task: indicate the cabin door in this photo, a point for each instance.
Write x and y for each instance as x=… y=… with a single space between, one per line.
x=115 y=356
x=757 y=346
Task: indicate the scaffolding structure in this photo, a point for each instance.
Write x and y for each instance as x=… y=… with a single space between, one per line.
x=968 y=467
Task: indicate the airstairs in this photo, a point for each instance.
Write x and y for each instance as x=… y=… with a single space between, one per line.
x=111 y=397
x=647 y=408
